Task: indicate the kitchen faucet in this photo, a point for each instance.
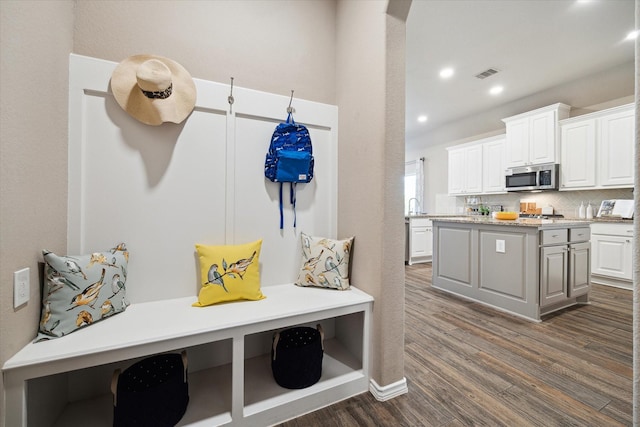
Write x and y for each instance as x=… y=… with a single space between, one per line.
x=416 y=204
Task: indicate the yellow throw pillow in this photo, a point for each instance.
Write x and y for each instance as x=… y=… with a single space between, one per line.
x=229 y=273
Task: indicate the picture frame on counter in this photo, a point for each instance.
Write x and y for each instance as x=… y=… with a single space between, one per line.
x=618 y=208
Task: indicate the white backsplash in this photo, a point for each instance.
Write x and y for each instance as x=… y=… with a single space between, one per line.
x=564 y=202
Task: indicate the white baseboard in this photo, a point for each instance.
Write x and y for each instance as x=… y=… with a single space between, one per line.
x=389 y=391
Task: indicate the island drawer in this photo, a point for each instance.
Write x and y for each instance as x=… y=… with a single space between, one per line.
x=582 y=234
x=552 y=237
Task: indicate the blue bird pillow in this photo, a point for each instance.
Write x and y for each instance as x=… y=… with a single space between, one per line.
x=325 y=262
x=81 y=290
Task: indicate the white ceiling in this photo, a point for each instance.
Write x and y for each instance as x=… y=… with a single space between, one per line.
x=536 y=45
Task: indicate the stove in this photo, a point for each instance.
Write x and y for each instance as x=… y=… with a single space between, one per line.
x=540 y=216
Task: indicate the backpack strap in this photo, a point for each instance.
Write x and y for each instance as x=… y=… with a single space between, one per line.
x=292 y=198
x=281 y=214
x=290 y=119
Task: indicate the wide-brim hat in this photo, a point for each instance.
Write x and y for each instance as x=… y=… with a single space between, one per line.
x=153 y=89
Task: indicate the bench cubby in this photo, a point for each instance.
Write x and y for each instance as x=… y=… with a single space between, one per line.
x=66 y=381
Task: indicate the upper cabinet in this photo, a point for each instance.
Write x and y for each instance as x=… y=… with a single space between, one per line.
x=493 y=165
x=477 y=167
x=578 y=154
x=532 y=137
x=465 y=169
x=616 y=148
x=597 y=149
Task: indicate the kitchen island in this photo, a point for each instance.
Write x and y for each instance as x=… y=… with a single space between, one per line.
x=527 y=267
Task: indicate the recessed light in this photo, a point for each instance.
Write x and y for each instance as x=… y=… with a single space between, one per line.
x=496 y=90
x=423 y=118
x=445 y=73
x=632 y=35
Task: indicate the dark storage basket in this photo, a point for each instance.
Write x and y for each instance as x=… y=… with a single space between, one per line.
x=296 y=356
x=151 y=392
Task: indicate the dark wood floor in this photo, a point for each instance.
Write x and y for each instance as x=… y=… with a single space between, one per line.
x=467 y=364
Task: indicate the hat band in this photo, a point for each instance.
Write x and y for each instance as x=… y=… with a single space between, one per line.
x=161 y=94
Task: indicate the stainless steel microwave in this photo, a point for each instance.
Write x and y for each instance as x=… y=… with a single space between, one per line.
x=533 y=178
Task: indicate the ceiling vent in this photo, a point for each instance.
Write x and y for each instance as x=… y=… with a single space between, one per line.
x=487 y=73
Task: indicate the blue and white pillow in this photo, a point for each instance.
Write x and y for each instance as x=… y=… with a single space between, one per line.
x=325 y=262
x=81 y=290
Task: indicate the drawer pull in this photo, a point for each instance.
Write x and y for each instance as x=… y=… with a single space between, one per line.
x=554 y=235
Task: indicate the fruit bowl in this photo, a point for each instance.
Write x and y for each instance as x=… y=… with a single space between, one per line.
x=506 y=215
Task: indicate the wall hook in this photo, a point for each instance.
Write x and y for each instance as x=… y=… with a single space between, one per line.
x=290 y=109
x=230 y=98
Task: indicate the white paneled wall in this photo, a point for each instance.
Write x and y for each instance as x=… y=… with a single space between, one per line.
x=162 y=189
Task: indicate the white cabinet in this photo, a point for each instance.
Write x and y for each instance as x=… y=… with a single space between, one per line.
x=477 y=167
x=611 y=255
x=493 y=166
x=616 y=148
x=578 y=154
x=420 y=240
x=597 y=150
x=465 y=169
x=532 y=136
x=457 y=172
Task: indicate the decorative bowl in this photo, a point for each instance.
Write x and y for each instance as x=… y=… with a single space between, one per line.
x=506 y=215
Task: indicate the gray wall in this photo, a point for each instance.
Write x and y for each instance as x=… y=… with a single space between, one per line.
x=35 y=41
x=370 y=58
x=636 y=254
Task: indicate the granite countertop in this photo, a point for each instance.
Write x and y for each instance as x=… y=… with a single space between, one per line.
x=606 y=219
x=521 y=222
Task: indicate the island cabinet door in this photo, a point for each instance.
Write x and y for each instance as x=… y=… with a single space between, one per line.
x=553 y=274
x=579 y=269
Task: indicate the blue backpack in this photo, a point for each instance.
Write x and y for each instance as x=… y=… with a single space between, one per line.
x=289 y=159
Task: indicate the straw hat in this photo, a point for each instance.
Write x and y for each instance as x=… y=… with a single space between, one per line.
x=153 y=89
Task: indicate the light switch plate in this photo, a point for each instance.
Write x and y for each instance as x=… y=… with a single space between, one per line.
x=500 y=247
x=20 y=287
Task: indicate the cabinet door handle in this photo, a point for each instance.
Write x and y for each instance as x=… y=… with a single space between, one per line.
x=628 y=241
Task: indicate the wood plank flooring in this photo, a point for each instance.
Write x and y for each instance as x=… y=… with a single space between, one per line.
x=469 y=365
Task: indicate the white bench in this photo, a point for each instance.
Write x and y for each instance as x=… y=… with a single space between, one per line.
x=230 y=381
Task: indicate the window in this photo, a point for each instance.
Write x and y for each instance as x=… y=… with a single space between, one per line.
x=413 y=186
x=409 y=191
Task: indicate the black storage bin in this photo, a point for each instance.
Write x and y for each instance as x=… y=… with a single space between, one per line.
x=151 y=392
x=296 y=356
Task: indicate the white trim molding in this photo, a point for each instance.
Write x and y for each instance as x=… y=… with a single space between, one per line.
x=383 y=393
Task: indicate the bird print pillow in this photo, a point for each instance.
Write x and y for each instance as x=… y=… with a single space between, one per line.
x=229 y=273
x=325 y=262
x=81 y=290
